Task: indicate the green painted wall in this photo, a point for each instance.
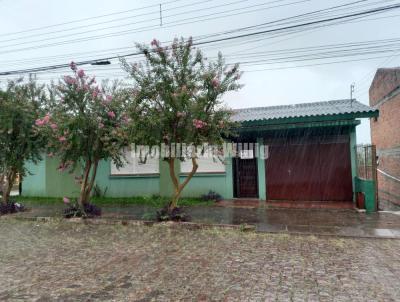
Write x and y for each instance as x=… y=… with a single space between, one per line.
x=368 y=187
x=200 y=184
x=34 y=183
x=125 y=186
x=353 y=143
x=59 y=184
x=203 y=183
x=261 y=170
x=46 y=180
x=228 y=179
x=165 y=187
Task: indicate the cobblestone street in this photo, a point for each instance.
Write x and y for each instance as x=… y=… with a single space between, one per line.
x=66 y=261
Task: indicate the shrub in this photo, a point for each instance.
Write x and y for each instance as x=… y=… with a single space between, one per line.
x=11 y=207
x=20 y=105
x=176 y=214
x=75 y=210
x=211 y=196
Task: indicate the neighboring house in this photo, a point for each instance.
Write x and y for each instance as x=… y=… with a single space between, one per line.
x=384 y=95
x=309 y=150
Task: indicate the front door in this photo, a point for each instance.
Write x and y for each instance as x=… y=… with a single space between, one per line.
x=245 y=178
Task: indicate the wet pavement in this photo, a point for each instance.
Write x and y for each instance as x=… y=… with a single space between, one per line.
x=63 y=261
x=340 y=222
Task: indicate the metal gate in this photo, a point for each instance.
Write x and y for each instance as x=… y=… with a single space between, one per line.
x=314 y=171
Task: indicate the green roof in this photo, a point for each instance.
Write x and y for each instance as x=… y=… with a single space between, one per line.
x=337 y=108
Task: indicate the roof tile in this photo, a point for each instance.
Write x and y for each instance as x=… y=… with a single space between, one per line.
x=335 y=107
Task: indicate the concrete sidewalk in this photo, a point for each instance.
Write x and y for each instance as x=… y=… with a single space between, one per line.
x=343 y=222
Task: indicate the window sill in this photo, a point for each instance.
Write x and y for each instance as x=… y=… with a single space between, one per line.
x=150 y=175
x=205 y=174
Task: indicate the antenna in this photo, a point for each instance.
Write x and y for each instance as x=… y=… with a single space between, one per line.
x=351 y=93
x=160 y=15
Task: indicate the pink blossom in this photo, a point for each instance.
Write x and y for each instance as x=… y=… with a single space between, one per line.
x=155 y=43
x=95 y=93
x=101 y=125
x=66 y=200
x=126 y=119
x=81 y=73
x=46 y=119
x=92 y=81
x=215 y=83
x=111 y=114
x=72 y=65
x=199 y=124
x=62 y=139
x=53 y=126
x=69 y=80
x=108 y=98
x=39 y=122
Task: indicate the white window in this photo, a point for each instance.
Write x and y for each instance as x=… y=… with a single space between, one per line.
x=137 y=164
x=207 y=164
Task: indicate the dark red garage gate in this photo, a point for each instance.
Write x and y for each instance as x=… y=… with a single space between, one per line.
x=311 y=171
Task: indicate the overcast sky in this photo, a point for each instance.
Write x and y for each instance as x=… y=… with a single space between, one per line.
x=265 y=84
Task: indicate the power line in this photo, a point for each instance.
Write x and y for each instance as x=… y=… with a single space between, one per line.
x=190 y=20
x=86 y=19
x=319 y=52
x=317 y=64
x=279 y=21
x=368 y=12
x=304 y=24
x=105 y=22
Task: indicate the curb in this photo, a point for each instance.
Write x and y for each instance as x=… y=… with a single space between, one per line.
x=125 y=222
x=281 y=229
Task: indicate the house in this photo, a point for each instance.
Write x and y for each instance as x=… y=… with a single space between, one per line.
x=384 y=95
x=306 y=152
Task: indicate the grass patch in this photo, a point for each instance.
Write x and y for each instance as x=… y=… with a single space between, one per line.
x=153 y=201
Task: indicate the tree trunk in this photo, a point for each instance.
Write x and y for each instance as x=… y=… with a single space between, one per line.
x=87 y=184
x=178 y=188
x=7 y=185
x=83 y=195
x=2 y=186
x=92 y=180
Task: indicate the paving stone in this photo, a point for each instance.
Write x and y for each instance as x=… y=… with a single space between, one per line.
x=62 y=261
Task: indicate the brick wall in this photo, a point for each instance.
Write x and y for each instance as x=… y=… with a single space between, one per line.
x=384 y=82
x=385 y=133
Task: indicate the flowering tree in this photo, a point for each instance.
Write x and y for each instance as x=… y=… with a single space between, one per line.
x=20 y=105
x=177 y=100
x=85 y=124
